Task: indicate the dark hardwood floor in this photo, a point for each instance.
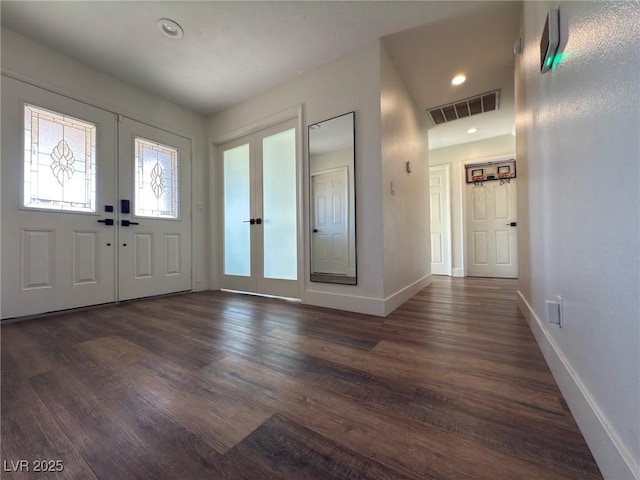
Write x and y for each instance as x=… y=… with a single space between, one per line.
x=216 y=385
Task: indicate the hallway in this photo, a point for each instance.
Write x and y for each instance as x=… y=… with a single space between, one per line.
x=218 y=385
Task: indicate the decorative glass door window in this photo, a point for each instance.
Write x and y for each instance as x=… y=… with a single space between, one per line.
x=156 y=180
x=59 y=161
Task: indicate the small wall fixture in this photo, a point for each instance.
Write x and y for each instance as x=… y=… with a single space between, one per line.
x=517 y=46
x=549 y=41
x=473 y=130
x=170 y=28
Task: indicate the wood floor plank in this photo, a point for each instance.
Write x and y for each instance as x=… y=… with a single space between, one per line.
x=420 y=373
x=29 y=431
x=218 y=385
x=408 y=448
x=291 y=451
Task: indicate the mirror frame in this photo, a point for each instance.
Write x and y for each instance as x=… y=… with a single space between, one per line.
x=327 y=277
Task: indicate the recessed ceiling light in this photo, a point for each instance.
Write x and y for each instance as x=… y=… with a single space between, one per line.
x=458 y=79
x=170 y=28
x=472 y=130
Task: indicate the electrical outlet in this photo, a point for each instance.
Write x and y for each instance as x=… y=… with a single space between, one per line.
x=553 y=312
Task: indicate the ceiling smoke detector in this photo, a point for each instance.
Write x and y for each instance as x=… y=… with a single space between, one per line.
x=170 y=28
x=467 y=107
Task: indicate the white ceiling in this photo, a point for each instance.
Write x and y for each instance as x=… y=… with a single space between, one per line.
x=232 y=51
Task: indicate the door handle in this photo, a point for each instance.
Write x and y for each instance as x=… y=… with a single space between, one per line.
x=126 y=223
x=252 y=221
x=106 y=221
x=315 y=230
x=511 y=224
x=258 y=221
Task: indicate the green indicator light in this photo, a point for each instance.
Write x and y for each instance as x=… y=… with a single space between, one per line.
x=549 y=61
x=557 y=59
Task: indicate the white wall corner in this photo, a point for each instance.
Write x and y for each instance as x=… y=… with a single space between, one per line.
x=395 y=300
x=457 y=272
x=613 y=459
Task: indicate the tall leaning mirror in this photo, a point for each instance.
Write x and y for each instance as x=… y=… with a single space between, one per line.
x=333 y=195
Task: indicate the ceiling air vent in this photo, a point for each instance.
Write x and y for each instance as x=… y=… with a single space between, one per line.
x=486 y=102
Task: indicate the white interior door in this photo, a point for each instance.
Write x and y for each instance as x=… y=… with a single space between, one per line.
x=329 y=216
x=58 y=177
x=440 y=207
x=260 y=212
x=491 y=230
x=155 y=227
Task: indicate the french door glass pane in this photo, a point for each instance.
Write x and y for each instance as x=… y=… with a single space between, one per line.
x=279 y=205
x=156 y=180
x=237 y=209
x=59 y=161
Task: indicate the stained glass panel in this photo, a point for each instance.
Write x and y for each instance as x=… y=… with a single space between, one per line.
x=59 y=161
x=156 y=180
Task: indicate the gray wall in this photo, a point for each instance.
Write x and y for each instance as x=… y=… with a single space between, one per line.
x=407 y=240
x=578 y=152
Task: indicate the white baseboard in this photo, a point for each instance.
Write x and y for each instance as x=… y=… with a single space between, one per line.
x=367 y=305
x=349 y=303
x=395 y=300
x=457 y=272
x=615 y=462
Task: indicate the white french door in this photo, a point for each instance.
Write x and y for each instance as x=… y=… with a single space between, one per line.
x=492 y=242
x=259 y=187
x=154 y=241
x=62 y=233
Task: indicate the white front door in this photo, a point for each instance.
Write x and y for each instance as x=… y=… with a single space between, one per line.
x=58 y=177
x=329 y=216
x=491 y=230
x=155 y=227
x=259 y=184
x=440 y=220
x=62 y=221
